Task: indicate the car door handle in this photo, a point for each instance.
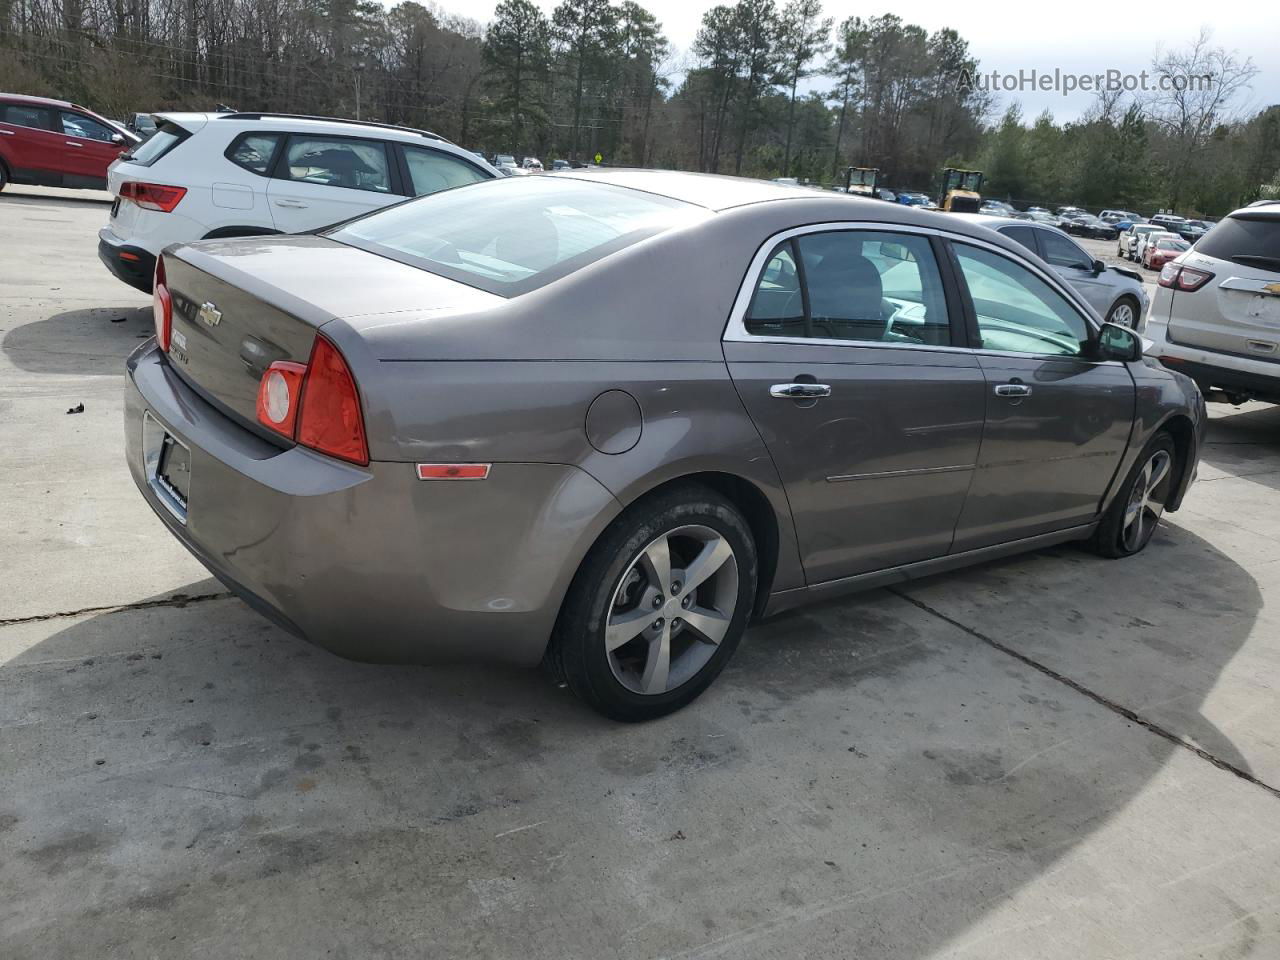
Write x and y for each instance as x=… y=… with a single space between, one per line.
x=799 y=391
x=72 y=143
x=291 y=204
x=1012 y=390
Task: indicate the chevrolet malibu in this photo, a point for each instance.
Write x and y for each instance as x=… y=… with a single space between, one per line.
x=602 y=420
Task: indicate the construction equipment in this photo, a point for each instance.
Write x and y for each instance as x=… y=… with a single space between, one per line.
x=861 y=181
x=961 y=190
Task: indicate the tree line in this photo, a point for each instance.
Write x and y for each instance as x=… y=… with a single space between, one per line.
x=768 y=88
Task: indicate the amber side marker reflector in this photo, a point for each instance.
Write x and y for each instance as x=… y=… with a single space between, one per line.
x=453 y=471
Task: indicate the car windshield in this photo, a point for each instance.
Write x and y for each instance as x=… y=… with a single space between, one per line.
x=1173 y=245
x=512 y=236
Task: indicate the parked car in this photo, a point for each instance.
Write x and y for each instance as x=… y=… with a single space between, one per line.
x=143 y=124
x=1117 y=293
x=1216 y=312
x=1043 y=216
x=913 y=198
x=506 y=165
x=1127 y=242
x=532 y=164
x=1157 y=254
x=1192 y=230
x=412 y=471
x=997 y=208
x=1147 y=239
x=1065 y=212
x=1167 y=221
x=250 y=174
x=560 y=165
x=52 y=143
x=1088 y=225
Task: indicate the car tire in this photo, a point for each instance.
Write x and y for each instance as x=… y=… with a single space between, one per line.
x=607 y=645
x=1123 y=305
x=1129 y=522
x=4 y=175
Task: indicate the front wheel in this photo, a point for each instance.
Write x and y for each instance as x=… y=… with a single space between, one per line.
x=658 y=605
x=1124 y=312
x=1129 y=522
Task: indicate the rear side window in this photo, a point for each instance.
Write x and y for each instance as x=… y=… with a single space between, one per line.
x=78 y=125
x=157 y=145
x=852 y=285
x=338 y=162
x=431 y=171
x=1249 y=239
x=1023 y=235
x=255 y=151
x=23 y=116
x=516 y=234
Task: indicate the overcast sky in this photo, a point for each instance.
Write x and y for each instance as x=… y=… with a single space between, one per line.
x=1078 y=36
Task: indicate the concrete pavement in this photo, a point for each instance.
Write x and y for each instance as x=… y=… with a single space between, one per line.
x=1054 y=756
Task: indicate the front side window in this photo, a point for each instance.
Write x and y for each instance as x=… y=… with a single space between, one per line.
x=1018 y=312
x=78 y=125
x=338 y=162
x=23 y=116
x=431 y=171
x=516 y=234
x=855 y=285
x=255 y=151
x=1062 y=252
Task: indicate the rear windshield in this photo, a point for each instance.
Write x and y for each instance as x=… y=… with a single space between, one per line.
x=1249 y=239
x=157 y=145
x=512 y=236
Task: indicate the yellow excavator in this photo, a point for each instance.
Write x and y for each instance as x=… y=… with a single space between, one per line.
x=861 y=181
x=961 y=190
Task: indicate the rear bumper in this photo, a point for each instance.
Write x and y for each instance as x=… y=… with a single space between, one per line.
x=370 y=563
x=133 y=265
x=1259 y=379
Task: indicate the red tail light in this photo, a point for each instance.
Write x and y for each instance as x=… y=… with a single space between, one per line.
x=1187 y=279
x=152 y=196
x=315 y=403
x=280 y=395
x=162 y=306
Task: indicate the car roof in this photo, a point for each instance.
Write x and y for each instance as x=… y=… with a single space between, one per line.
x=41 y=101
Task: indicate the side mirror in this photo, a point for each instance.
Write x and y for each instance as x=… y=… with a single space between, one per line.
x=1119 y=343
x=117 y=138
x=1099 y=267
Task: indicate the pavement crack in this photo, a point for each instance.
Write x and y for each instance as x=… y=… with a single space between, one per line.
x=176 y=600
x=1116 y=708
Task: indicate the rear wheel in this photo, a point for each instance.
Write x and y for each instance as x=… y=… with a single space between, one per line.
x=658 y=605
x=1129 y=522
x=4 y=176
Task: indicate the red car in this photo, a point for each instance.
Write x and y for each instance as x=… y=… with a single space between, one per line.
x=1157 y=254
x=52 y=143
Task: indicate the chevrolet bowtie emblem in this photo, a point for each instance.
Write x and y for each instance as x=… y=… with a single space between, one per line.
x=209 y=314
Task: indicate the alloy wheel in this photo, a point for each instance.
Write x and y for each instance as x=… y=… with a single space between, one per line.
x=673 y=605
x=1122 y=314
x=1146 y=501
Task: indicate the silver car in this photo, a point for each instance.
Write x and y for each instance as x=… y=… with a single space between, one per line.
x=1116 y=293
x=603 y=419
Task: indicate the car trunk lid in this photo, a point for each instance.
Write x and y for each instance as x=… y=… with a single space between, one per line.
x=240 y=305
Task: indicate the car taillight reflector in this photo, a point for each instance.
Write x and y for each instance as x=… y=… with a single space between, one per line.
x=279 y=396
x=453 y=471
x=152 y=196
x=330 y=420
x=162 y=306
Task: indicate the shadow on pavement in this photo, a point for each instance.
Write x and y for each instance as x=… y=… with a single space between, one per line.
x=93 y=341
x=188 y=779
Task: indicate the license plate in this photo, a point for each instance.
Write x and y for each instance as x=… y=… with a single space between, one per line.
x=174 y=469
x=1265 y=307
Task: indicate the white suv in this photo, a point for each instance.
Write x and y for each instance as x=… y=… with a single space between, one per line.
x=207 y=175
x=1216 y=312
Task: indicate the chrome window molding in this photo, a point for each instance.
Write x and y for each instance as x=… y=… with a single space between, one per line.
x=736 y=329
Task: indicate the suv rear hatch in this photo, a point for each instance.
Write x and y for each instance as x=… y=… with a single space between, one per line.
x=172 y=131
x=240 y=305
x=1238 y=311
